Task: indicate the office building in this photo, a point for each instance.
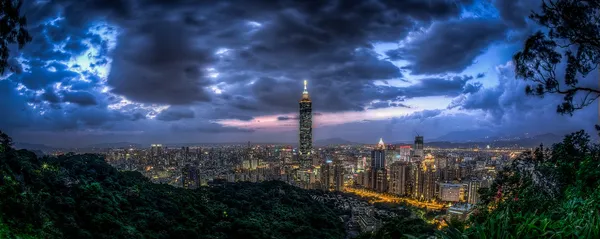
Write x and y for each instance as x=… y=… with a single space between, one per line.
x=450 y=192
x=418 y=149
x=378 y=172
x=399 y=175
x=190 y=177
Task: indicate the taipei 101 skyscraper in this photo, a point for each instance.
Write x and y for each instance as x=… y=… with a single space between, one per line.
x=305 y=148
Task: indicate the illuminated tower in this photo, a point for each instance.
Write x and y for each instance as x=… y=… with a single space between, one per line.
x=305 y=149
x=418 y=151
x=378 y=170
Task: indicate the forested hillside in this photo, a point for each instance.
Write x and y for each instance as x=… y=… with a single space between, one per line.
x=553 y=192
x=80 y=196
x=550 y=193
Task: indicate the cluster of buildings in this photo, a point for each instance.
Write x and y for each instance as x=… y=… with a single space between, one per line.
x=409 y=171
x=432 y=176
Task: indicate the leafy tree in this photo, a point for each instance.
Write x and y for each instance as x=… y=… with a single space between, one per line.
x=12 y=29
x=549 y=193
x=573 y=34
x=402 y=227
x=5 y=142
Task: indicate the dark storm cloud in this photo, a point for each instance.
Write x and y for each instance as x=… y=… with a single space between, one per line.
x=285 y=118
x=281 y=96
x=14 y=107
x=507 y=98
x=160 y=62
x=450 y=86
x=165 y=47
x=15 y=66
x=50 y=96
x=81 y=98
x=450 y=46
x=41 y=77
x=175 y=113
x=514 y=13
x=162 y=55
x=472 y=88
x=386 y=104
x=364 y=66
x=419 y=116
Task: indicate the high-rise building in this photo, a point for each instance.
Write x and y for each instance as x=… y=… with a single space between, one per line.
x=425 y=179
x=378 y=172
x=327 y=175
x=305 y=143
x=338 y=175
x=418 y=152
x=399 y=175
x=378 y=156
x=473 y=187
x=156 y=150
x=190 y=177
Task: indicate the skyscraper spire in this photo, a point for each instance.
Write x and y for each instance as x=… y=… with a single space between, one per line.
x=380 y=144
x=305 y=90
x=305 y=96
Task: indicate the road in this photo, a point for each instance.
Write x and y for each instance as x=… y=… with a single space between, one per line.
x=390 y=198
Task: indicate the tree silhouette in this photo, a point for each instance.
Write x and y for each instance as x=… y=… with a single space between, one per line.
x=5 y=142
x=573 y=33
x=12 y=30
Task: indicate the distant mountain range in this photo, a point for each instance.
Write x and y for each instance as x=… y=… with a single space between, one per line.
x=334 y=141
x=33 y=147
x=527 y=142
x=116 y=145
x=466 y=136
x=465 y=139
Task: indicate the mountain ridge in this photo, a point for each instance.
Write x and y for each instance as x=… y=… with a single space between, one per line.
x=444 y=141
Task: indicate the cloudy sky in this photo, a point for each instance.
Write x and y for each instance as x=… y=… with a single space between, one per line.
x=232 y=71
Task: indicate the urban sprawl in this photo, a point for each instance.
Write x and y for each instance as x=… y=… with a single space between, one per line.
x=434 y=179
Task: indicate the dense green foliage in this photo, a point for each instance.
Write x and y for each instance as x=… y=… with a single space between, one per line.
x=12 y=31
x=80 y=196
x=409 y=223
x=403 y=226
x=549 y=193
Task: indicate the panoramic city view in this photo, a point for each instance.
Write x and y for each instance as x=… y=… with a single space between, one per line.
x=366 y=119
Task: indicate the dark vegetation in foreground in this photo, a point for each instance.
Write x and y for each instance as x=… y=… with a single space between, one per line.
x=81 y=196
x=549 y=193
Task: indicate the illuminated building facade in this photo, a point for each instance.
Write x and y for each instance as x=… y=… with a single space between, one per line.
x=473 y=187
x=378 y=172
x=450 y=192
x=418 y=149
x=305 y=149
x=399 y=176
x=338 y=175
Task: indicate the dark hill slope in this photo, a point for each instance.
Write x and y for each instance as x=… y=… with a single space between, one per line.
x=80 y=196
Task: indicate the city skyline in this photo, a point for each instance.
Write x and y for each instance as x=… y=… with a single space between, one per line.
x=227 y=73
